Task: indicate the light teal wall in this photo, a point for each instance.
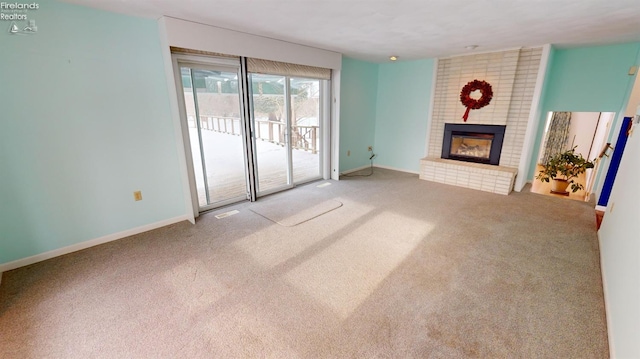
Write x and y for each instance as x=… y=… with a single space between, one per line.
x=358 y=91
x=85 y=122
x=590 y=79
x=587 y=79
x=404 y=94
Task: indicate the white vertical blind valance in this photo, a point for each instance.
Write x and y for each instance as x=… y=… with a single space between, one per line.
x=182 y=50
x=261 y=66
x=267 y=67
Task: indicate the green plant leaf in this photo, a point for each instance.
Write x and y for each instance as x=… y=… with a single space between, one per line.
x=565 y=165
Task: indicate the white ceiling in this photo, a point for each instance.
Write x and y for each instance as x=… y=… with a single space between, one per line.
x=412 y=29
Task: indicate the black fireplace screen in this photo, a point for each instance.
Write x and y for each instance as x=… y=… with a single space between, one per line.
x=473 y=143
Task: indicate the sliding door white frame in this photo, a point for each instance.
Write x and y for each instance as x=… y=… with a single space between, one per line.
x=212 y=63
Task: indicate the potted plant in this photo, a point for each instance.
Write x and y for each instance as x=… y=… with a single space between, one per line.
x=562 y=169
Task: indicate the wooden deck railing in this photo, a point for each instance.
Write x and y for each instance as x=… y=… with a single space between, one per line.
x=302 y=137
x=305 y=138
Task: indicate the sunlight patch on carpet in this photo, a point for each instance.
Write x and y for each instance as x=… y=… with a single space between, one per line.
x=345 y=274
x=227 y=214
x=290 y=211
x=269 y=253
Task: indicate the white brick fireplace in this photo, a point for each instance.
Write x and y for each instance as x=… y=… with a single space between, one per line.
x=512 y=75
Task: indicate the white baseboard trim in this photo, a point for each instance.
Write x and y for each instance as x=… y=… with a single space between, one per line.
x=355 y=169
x=396 y=169
x=607 y=308
x=86 y=244
x=519 y=188
x=379 y=166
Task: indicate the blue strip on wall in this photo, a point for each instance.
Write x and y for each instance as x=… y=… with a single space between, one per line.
x=615 y=163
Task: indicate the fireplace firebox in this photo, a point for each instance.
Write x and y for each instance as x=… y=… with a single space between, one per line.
x=473 y=143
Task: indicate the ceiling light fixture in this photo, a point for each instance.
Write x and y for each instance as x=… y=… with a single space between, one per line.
x=471 y=47
x=393 y=58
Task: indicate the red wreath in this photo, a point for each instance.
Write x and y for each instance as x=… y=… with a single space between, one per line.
x=471 y=103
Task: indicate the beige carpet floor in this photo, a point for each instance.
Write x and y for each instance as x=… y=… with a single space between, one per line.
x=404 y=269
x=292 y=208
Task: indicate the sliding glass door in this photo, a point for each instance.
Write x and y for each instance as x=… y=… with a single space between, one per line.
x=248 y=134
x=271 y=131
x=215 y=124
x=286 y=126
x=306 y=120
